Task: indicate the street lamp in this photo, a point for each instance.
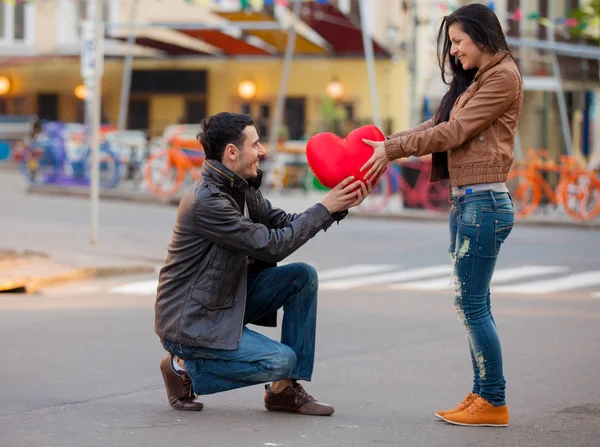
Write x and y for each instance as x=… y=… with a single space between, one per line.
x=81 y=91
x=4 y=85
x=335 y=89
x=247 y=89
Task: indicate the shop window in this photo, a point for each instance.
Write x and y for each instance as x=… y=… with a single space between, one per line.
x=295 y=117
x=195 y=111
x=47 y=108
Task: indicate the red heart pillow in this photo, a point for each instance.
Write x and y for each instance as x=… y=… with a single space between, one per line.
x=332 y=159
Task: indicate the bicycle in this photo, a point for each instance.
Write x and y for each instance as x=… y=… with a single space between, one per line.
x=167 y=169
x=48 y=154
x=528 y=186
x=422 y=193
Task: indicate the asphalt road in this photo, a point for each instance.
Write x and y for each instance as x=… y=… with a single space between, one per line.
x=80 y=361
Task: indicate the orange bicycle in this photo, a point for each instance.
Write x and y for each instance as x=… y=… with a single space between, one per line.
x=528 y=186
x=167 y=169
x=582 y=195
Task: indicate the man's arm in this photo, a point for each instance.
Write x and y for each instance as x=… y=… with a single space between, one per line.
x=278 y=218
x=218 y=221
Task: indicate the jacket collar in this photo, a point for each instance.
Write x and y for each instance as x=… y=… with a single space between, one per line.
x=224 y=176
x=498 y=57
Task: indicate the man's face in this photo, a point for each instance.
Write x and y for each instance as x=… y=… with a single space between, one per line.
x=249 y=154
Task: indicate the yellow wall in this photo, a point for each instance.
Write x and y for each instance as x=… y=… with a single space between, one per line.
x=308 y=79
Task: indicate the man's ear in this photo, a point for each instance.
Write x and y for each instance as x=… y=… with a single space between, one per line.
x=230 y=152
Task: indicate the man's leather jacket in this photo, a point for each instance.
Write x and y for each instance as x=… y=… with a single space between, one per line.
x=201 y=294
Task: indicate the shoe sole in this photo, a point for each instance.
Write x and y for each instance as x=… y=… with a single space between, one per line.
x=164 y=375
x=474 y=425
x=289 y=410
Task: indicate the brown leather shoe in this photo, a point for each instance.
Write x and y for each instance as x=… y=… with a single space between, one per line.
x=179 y=387
x=294 y=399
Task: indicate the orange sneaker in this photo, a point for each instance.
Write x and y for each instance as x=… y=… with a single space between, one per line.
x=464 y=404
x=480 y=413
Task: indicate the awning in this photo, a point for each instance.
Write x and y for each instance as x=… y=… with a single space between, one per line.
x=230 y=45
x=321 y=29
x=336 y=28
x=275 y=38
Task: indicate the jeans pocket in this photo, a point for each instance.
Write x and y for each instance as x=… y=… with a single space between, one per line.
x=470 y=215
x=502 y=230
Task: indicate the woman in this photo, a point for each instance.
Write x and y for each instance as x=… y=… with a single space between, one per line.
x=471 y=138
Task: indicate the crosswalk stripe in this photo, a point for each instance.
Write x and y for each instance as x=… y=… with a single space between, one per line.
x=513 y=273
x=500 y=276
x=596 y=295
x=351 y=270
x=385 y=278
x=576 y=281
x=147 y=287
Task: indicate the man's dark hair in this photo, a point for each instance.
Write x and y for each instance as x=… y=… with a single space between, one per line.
x=220 y=130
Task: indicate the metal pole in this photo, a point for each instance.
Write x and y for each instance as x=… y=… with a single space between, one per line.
x=126 y=82
x=287 y=65
x=368 y=46
x=95 y=12
x=415 y=118
x=560 y=94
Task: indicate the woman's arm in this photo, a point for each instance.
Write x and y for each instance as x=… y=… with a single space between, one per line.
x=487 y=104
x=421 y=127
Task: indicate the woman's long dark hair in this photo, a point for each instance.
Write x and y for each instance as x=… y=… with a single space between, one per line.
x=482 y=25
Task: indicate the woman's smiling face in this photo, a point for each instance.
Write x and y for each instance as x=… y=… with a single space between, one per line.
x=463 y=48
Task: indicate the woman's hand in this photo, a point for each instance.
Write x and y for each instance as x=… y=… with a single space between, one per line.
x=378 y=161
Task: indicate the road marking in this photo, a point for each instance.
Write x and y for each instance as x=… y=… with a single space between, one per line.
x=385 y=278
x=147 y=287
x=576 y=281
x=500 y=276
x=596 y=295
x=352 y=270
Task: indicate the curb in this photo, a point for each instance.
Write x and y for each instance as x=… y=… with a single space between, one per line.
x=29 y=284
x=443 y=217
x=429 y=216
x=84 y=192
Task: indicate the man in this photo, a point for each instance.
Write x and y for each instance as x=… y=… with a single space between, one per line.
x=220 y=275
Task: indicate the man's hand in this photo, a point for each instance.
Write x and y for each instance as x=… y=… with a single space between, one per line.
x=341 y=196
x=363 y=192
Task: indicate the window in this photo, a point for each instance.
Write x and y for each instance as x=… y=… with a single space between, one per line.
x=82 y=9
x=19 y=21
x=2 y=21
x=16 y=23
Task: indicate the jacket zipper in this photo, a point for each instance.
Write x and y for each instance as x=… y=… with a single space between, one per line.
x=246 y=280
x=245 y=298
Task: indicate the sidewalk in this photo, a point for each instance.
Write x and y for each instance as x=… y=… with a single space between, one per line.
x=27 y=272
x=297 y=201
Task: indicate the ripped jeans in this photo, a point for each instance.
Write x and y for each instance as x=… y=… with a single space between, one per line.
x=479 y=225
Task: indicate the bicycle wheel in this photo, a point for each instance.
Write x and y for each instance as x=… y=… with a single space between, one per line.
x=380 y=196
x=39 y=165
x=580 y=196
x=525 y=193
x=109 y=167
x=163 y=175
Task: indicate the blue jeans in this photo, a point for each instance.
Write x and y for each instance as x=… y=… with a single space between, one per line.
x=258 y=359
x=479 y=225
